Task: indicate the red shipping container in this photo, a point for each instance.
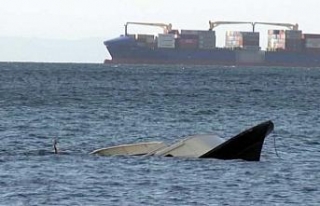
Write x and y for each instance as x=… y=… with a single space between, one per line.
x=188 y=43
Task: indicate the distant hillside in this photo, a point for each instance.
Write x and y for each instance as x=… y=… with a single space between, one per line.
x=89 y=50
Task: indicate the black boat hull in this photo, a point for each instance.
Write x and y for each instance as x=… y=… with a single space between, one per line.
x=247 y=145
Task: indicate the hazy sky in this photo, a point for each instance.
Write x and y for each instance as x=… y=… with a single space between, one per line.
x=97 y=20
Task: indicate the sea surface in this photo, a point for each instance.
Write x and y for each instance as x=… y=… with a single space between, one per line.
x=90 y=106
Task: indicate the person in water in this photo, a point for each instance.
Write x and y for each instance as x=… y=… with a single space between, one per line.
x=55 y=142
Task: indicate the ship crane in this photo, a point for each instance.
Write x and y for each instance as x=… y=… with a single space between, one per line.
x=166 y=27
x=288 y=25
x=214 y=24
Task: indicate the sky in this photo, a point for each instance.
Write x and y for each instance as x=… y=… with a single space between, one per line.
x=74 y=30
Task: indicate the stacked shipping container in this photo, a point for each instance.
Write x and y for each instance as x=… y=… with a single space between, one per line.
x=145 y=40
x=311 y=42
x=198 y=47
x=245 y=40
x=293 y=40
x=276 y=40
x=207 y=40
x=233 y=39
x=289 y=40
x=166 y=41
x=189 y=39
x=197 y=39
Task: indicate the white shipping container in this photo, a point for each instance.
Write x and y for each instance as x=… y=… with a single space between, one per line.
x=229 y=38
x=166 y=46
x=233 y=33
x=166 y=40
x=233 y=38
x=166 y=43
x=163 y=40
x=274 y=32
x=272 y=36
x=166 y=37
x=232 y=44
x=276 y=36
x=276 y=40
x=275 y=43
x=312 y=43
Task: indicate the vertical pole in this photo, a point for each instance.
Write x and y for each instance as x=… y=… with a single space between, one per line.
x=126 y=29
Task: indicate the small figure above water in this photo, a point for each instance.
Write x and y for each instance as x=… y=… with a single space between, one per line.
x=55 y=142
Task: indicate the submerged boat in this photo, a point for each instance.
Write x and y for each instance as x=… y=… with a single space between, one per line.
x=289 y=47
x=247 y=145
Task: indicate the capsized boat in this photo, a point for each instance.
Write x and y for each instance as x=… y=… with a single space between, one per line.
x=246 y=145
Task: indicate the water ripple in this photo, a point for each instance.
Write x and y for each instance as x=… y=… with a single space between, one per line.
x=88 y=106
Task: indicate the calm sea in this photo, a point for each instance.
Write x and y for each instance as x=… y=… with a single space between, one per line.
x=89 y=106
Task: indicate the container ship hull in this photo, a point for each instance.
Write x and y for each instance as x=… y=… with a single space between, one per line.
x=194 y=47
x=134 y=54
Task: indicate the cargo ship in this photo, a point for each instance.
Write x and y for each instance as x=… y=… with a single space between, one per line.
x=289 y=47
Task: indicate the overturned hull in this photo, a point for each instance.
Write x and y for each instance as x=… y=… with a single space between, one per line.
x=130 y=149
x=247 y=146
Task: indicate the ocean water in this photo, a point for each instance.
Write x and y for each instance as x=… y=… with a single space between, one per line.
x=89 y=106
